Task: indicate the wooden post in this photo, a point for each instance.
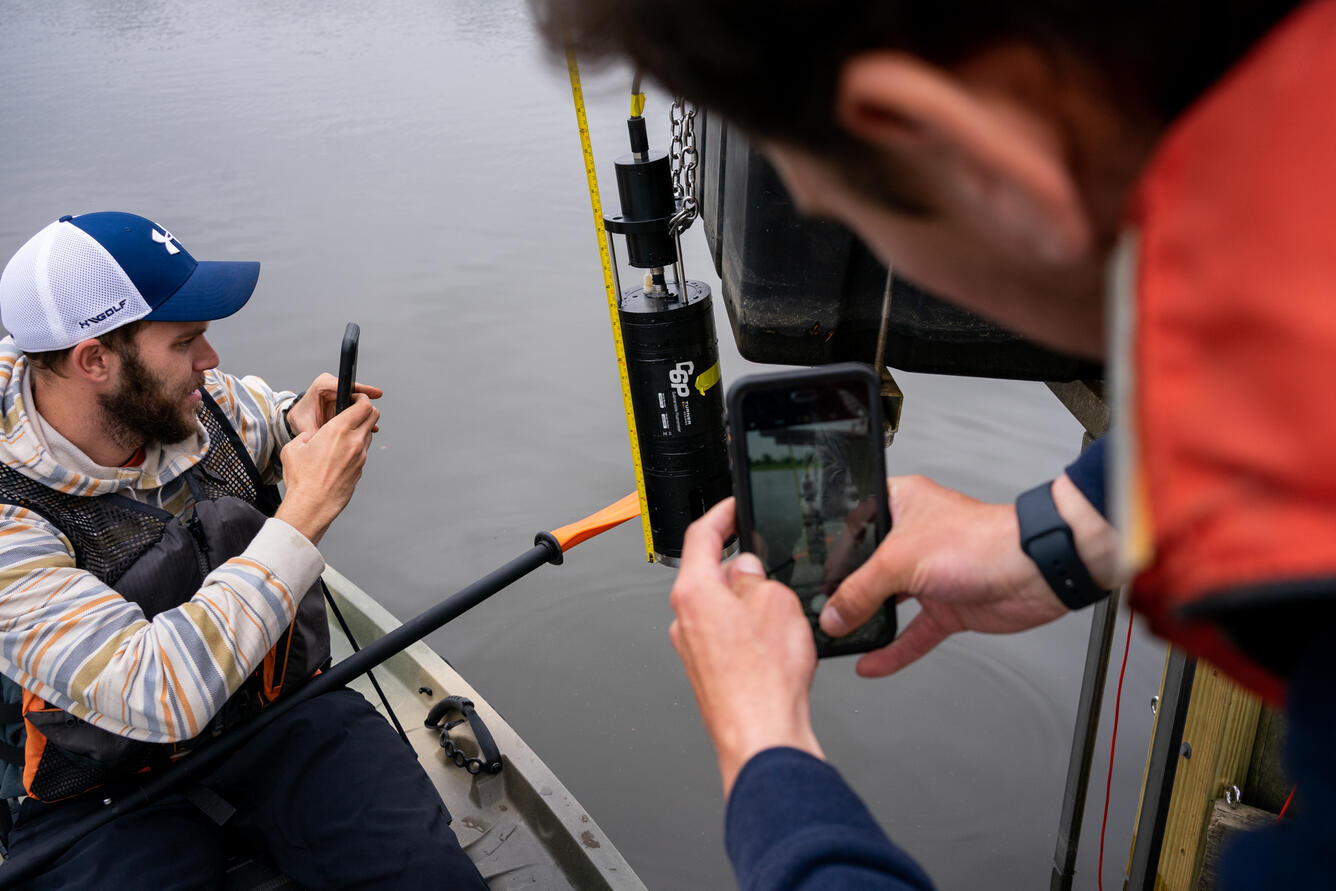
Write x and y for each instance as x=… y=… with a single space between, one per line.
x=1225 y=821
x=1217 y=745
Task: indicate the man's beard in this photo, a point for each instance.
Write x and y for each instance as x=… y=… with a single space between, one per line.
x=141 y=410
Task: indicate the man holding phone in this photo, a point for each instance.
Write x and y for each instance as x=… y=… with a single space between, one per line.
x=809 y=474
x=156 y=592
x=1044 y=163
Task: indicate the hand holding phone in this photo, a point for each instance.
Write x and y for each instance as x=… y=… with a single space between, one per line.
x=347 y=367
x=810 y=479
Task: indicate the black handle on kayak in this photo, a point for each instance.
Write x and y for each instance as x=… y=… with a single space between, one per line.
x=25 y=864
x=491 y=755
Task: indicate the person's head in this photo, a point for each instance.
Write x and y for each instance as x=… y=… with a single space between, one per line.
x=110 y=308
x=983 y=149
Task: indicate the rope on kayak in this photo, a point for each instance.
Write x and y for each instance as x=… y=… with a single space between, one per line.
x=371 y=676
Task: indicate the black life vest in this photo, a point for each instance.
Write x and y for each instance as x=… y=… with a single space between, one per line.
x=159 y=561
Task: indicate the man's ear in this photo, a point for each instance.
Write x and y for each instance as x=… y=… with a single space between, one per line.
x=92 y=361
x=995 y=158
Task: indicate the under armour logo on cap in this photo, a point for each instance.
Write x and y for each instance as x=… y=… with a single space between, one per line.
x=166 y=238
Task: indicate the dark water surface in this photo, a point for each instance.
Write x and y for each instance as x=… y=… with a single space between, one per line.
x=414 y=166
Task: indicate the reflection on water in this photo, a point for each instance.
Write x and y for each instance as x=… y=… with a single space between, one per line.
x=412 y=165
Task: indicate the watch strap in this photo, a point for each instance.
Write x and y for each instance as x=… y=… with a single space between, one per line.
x=1047 y=539
x=291 y=433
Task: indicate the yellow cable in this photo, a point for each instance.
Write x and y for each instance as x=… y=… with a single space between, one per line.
x=637 y=104
x=591 y=174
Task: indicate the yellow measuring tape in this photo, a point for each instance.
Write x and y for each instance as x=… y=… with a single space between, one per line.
x=591 y=174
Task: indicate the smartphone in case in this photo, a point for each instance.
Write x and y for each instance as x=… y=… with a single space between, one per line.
x=809 y=474
x=347 y=367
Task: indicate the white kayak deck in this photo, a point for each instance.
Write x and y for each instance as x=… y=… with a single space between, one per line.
x=521 y=827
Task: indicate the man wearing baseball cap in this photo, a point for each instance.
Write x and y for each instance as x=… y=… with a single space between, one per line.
x=155 y=590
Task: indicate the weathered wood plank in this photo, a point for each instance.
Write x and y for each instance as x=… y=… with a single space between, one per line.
x=1225 y=822
x=1268 y=781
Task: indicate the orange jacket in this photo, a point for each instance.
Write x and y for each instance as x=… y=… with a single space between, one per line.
x=1232 y=423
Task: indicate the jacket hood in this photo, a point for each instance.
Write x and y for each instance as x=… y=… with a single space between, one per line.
x=22 y=446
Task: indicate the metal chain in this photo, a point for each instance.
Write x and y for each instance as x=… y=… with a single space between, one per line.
x=474 y=766
x=682 y=149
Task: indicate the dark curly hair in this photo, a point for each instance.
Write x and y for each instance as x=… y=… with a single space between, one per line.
x=770 y=66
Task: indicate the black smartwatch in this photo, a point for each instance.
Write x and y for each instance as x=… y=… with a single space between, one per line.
x=292 y=433
x=1047 y=540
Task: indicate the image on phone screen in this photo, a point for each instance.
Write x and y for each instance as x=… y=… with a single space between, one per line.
x=814 y=482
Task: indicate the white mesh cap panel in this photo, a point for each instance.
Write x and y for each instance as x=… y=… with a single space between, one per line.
x=63 y=287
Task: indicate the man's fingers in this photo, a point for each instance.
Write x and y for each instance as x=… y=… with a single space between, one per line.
x=704 y=542
x=745 y=565
x=359 y=412
x=919 y=638
x=884 y=575
x=359 y=419
x=699 y=568
x=373 y=392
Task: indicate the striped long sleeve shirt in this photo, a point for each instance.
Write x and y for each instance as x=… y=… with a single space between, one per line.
x=75 y=642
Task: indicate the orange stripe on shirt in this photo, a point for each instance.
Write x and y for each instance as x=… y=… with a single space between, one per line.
x=68 y=619
x=166 y=706
x=269 y=577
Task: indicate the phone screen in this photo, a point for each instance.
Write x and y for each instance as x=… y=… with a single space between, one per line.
x=813 y=457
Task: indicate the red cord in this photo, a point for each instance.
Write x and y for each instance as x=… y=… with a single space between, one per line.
x=1113 y=745
x=1287 y=804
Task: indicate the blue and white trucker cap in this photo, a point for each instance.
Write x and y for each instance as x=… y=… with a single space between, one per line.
x=84 y=275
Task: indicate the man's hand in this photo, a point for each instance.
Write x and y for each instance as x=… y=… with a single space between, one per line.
x=963 y=561
x=311 y=412
x=746 y=646
x=321 y=469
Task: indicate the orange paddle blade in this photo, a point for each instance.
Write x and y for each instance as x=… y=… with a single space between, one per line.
x=613 y=515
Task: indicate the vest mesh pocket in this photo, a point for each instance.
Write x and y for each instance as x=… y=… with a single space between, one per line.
x=62 y=775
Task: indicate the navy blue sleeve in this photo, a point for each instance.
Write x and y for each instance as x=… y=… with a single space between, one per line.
x=1297 y=852
x=1087 y=472
x=793 y=822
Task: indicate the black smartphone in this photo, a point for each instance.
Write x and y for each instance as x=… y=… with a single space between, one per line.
x=809 y=474
x=347 y=367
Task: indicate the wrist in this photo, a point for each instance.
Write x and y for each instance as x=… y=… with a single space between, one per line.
x=1095 y=539
x=287 y=421
x=308 y=518
x=1021 y=577
x=1047 y=538
x=746 y=740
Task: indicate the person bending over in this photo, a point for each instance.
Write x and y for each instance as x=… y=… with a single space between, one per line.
x=1165 y=166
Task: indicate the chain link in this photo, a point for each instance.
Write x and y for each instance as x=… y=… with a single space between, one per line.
x=682 y=149
x=457 y=755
